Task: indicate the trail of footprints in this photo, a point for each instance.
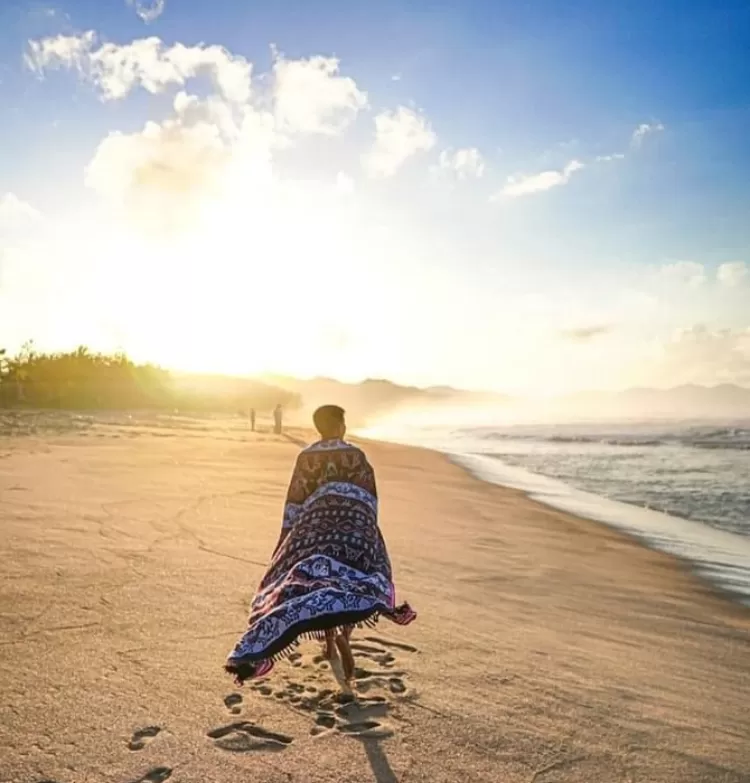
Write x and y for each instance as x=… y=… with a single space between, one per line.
x=309 y=688
x=140 y=739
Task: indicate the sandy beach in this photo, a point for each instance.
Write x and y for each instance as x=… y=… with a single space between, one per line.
x=548 y=648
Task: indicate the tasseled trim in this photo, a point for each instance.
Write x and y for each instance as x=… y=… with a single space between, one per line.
x=245 y=670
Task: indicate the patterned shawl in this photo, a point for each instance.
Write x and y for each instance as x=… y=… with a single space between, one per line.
x=330 y=569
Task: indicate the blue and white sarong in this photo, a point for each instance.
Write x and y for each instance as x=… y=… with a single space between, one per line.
x=330 y=570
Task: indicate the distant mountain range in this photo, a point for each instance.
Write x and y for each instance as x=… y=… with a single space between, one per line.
x=691 y=401
x=374 y=397
x=370 y=399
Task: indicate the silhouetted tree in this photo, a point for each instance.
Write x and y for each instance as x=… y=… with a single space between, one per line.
x=81 y=379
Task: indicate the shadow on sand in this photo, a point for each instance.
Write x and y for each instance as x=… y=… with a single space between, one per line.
x=381 y=767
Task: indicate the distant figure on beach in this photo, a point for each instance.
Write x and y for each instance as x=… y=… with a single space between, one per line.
x=252 y=419
x=330 y=570
x=278 y=414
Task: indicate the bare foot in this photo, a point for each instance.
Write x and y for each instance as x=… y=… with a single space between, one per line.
x=347 y=659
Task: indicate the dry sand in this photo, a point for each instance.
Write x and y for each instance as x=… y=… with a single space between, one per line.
x=547 y=648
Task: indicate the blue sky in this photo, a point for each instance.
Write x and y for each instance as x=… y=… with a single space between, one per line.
x=534 y=196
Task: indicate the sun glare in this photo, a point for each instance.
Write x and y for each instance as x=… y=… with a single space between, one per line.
x=231 y=292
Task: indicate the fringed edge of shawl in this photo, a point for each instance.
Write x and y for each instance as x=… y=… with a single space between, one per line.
x=243 y=670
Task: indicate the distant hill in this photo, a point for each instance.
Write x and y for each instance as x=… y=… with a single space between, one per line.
x=374 y=397
x=726 y=401
x=371 y=399
x=232 y=393
x=81 y=379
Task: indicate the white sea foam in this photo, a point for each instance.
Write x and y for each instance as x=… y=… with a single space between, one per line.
x=719 y=556
x=704 y=487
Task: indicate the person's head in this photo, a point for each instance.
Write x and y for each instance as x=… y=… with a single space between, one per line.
x=329 y=422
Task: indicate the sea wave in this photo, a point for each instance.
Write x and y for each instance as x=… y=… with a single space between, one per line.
x=682 y=486
x=733 y=438
x=717 y=554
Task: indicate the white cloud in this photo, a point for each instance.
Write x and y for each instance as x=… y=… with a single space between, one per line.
x=61 y=51
x=212 y=154
x=15 y=213
x=462 y=163
x=311 y=97
x=733 y=274
x=704 y=356
x=169 y=175
x=148 y=10
x=399 y=135
x=689 y=273
x=527 y=184
x=643 y=130
x=695 y=275
x=537 y=183
x=161 y=172
x=115 y=70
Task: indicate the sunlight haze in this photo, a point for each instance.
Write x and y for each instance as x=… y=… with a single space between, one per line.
x=300 y=189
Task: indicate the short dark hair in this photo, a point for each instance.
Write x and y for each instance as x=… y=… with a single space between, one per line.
x=328 y=418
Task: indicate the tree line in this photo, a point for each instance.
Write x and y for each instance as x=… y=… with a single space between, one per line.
x=86 y=380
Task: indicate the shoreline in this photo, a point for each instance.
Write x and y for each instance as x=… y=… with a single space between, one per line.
x=472 y=466
x=691 y=542
x=718 y=557
x=548 y=647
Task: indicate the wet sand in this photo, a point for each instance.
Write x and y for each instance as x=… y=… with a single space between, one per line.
x=548 y=648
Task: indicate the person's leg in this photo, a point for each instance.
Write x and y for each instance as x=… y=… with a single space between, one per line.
x=345 y=651
x=330 y=645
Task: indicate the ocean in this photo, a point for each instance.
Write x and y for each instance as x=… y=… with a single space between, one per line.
x=681 y=487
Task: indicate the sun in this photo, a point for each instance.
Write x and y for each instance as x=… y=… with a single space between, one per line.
x=246 y=289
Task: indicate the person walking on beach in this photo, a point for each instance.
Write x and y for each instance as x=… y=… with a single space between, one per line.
x=278 y=414
x=252 y=419
x=330 y=570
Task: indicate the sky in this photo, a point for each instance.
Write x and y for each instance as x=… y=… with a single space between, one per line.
x=534 y=197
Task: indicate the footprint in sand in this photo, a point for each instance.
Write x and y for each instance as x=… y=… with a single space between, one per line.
x=342 y=712
x=311 y=687
x=325 y=720
x=358 y=709
x=233 y=703
x=305 y=689
x=393 y=645
x=390 y=680
x=244 y=737
x=370 y=729
x=142 y=737
x=367 y=680
x=355 y=718
x=375 y=654
x=155 y=775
